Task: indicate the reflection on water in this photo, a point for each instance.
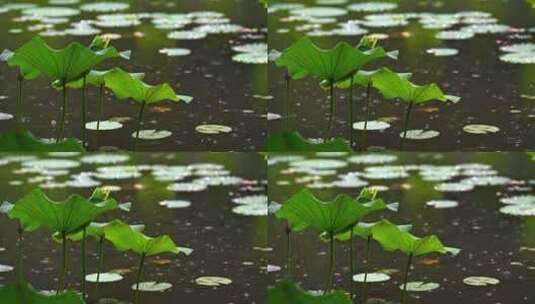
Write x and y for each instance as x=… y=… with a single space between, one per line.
x=493 y=92
x=226 y=243
x=223 y=89
x=485 y=186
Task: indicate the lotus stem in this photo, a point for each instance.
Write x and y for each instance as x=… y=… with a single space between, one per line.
x=289 y=266
x=84 y=265
x=138 y=279
x=63 y=112
x=351 y=263
x=329 y=283
x=99 y=266
x=20 y=80
x=61 y=280
x=365 y=286
x=406 y=125
x=406 y=279
x=20 y=253
x=366 y=117
x=139 y=123
x=331 y=112
x=83 y=111
x=286 y=114
x=351 y=113
x=100 y=110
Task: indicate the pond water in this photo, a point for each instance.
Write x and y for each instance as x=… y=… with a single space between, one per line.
x=226 y=244
x=494 y=244
x=429 y=36
x=160 y=35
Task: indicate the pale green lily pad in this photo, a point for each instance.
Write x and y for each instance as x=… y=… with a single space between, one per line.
x=443 y=51
x=103 y=7
x=105 y=125
x=186 y=35
x=105 y=277
x=6 y=268
x=419 y=134
x=519 y=210
x=519 y=58
x=187 y=187
x=251 y=210
x=369 y=7
x=454 y=187
x=519 y=199
x=213 y=281
x=252 y=58
x=5 y=116
x=151 y=134
x=212 y=129
x=418 y=286
x=175 y=52
x=175 y=204
x=52 y=11
x=372 y=125
x=480 y=129
x=251 y=199
x=481 y=281
x=442 y=204
x=373 y=277
x=319 y=12
x=104 y=158
x=527 y=47
x=152 y=286
x=454 y=35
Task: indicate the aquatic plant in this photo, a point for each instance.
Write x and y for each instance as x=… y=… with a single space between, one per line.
x=303 y=211
x=36 y=210
x=304 y=58
x=395 y=86
x=64 y=65
x=126 y=238
x=392 y=238
x=294 y=142
x=22 y=140
x=287 y=292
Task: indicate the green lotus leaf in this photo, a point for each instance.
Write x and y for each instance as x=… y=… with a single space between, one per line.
x=96 y=230
x=22 y=140
x=362 y=230
x=287 y=292
x=304 y=210
x=27 y=71
x=124 y=237
x=393 y=85
x=304 y=58
x=294 y=142
x=36 y=210
x=65 y=64
x=392 y=238
x=95 y=78
x=23 y=293
x=363 y=78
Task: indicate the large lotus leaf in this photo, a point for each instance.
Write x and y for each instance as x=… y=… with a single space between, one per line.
x=124 y=238
x=304 y=210
x=362 y=230
x=363 y=78
x=65 y=64
x=392 y=85
x=26 y=70
x=287 y=292
x=304 y=58
x=36 y=210
x=95 y=78
x=96 y=230
x=125 y=85
x=23 y=293
x=22 y=140
x=294 y=142
x=392 y=238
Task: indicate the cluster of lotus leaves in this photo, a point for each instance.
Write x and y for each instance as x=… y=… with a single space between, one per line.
x=22 y=140
x=23 y=292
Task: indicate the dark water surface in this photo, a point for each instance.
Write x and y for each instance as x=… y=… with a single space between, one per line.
x=493 y=92
x=223 y=89
x=225 y=244
x=493 y=244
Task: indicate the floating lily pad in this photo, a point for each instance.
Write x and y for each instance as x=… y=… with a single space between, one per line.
x=187 y=35
x=175 y=204
x=52 y=11
x=454 y=187
x=251 y=209
x=373 y=277
x=252 y=58
x=442 y=204
x=153 y=286
x=5 y=116
x=151 y=134
x=105 y=125
x=454 y=35
x=319 y=12
x=213 y=129
x=519 y=199
x=443 y=51
x=6 y=268
x=372 y=125
x=481 y=281
x=103 y=7
x=213 y=281
x=480 y=129
x=418 y=286
x=175 y=52
x=519 y=58
x=377 y=6
x=528 y=47
x=419 y=134
x=106 y=277
x=519 y=210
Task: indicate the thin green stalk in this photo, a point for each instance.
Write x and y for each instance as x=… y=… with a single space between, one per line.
x=365 y=134
x=63 y=112
x=83 y=111
x=287 y=102
x=61 y=280
x=365 y=286
x=289 y=266
x=351 y=113
x=20 y=271
x=332 y=110
x=351 y=263
x=84 y=265
x=406 y=125
x=138 y=279
x=139 y=123
x=100 y=110
x=406 y=279
x=99 y=266
x=329 y=283
x=20 y=80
